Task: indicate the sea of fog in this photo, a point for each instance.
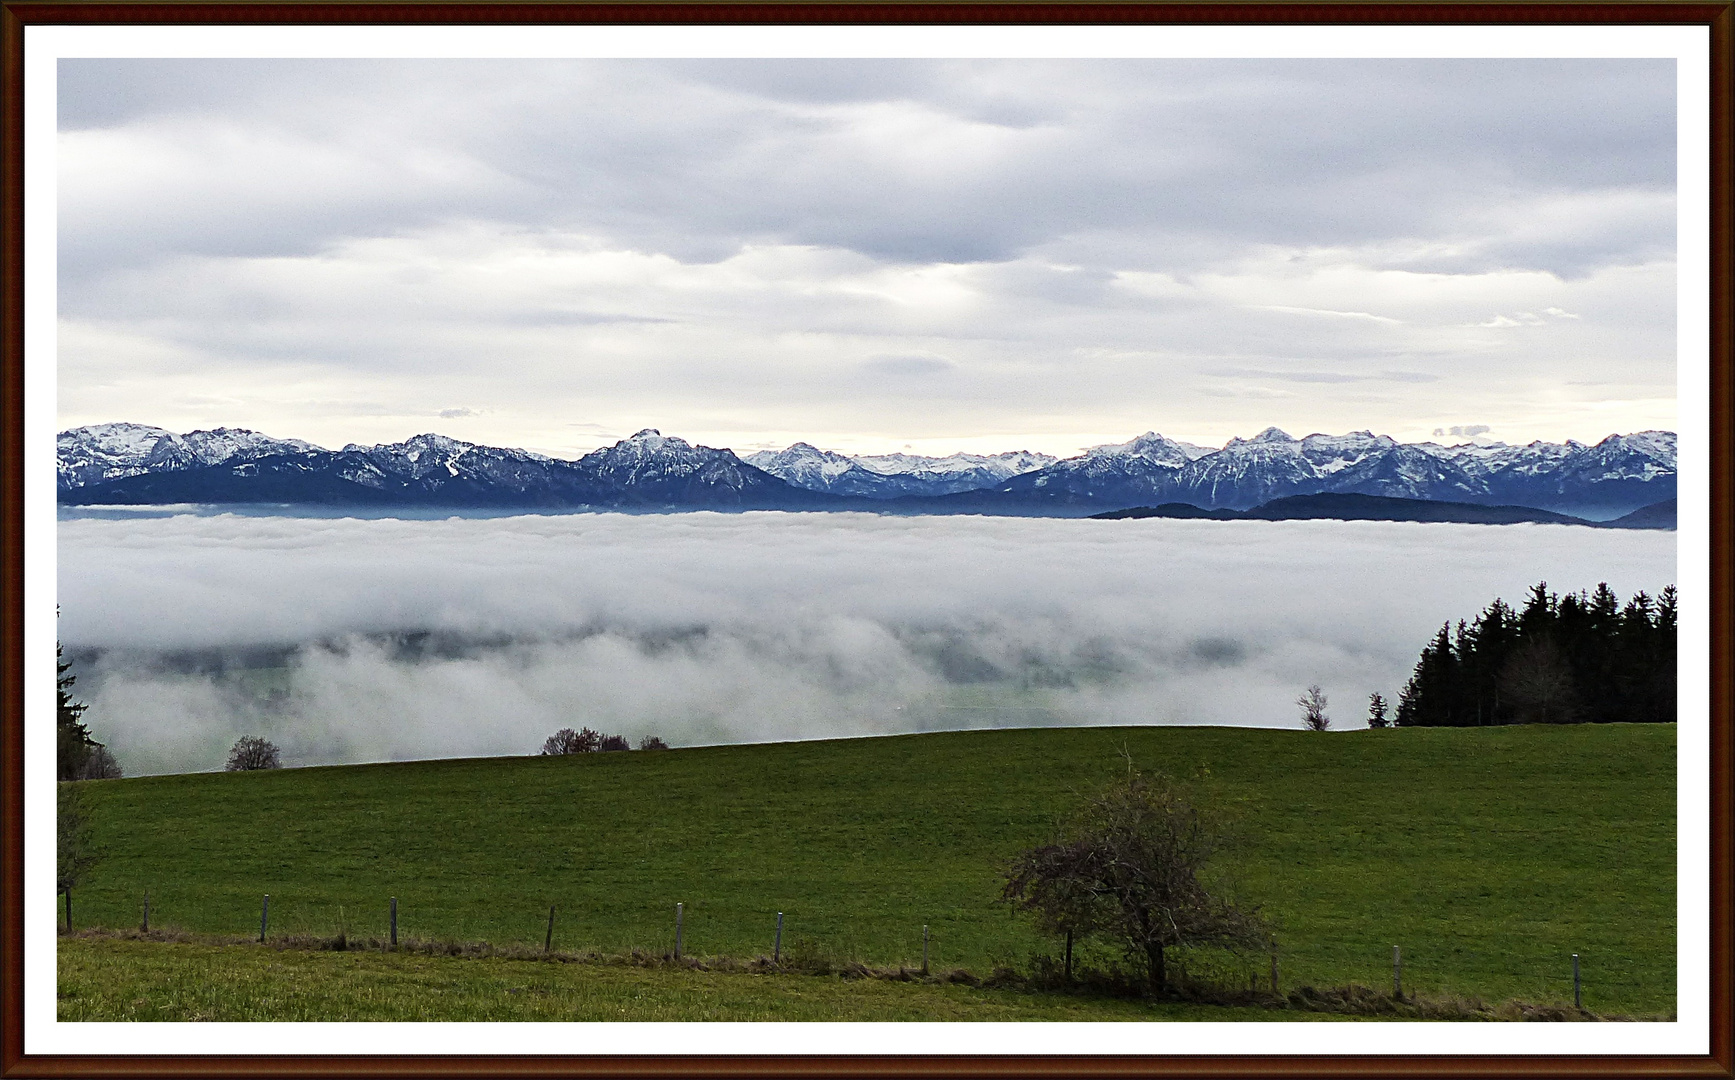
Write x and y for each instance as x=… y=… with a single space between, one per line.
x=356 y=640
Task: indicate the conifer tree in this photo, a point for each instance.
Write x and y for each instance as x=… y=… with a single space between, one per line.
x=72 y=739
x=1582 y=656
x=1377 y=708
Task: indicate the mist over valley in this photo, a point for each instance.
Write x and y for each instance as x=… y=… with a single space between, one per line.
x=345 y=639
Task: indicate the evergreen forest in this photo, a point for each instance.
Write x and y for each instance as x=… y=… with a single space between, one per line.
x=1579 y=658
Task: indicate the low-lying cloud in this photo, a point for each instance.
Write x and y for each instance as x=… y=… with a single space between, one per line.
x=352 y=640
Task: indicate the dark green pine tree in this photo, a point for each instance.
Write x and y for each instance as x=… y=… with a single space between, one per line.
x=1496 y=634
x=1576 y=657
x=72 y=739
x=1425 y=700
x=1663 y=664
x=1596 y=660
x=1540 y=607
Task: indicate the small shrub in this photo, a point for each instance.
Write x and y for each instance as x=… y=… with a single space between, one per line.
x=251 y=753
x=614 y=742
x=99 y=764
x=568 y=741
x=651 y=742
x=1312 y=705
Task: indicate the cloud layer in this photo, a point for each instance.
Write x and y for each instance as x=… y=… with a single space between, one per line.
x=747 y=252
x=349 y=640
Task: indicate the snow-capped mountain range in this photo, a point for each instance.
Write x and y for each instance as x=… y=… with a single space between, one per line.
x=1620 y=473
x=92 y=455
x=885 y=476
x=134 y=463
x=127 y=464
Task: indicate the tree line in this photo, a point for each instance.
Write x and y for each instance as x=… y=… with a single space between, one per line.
x=78 y=755
x=567 y=741
x=1579 y=658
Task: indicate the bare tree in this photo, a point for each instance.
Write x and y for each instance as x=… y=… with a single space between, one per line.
x=614 y=742
x=1127 y=867
x=568 y=741
x=1377 y=710
x=76 y=851
x=1312 y=704
x=1538 y=684
x=99 y=764
x=251 y=753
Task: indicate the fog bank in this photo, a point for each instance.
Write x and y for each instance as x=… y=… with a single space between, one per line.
x=352 y=640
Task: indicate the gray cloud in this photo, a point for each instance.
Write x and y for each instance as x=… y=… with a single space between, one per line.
x=354 y=639
x=907 y=366
x=724 y=248
x=904 y=161
x=1329 y=376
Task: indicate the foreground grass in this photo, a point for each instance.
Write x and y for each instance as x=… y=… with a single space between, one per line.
x=110 y=979
x=1489 y=855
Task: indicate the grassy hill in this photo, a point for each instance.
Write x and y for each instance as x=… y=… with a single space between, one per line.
x=1489 y=855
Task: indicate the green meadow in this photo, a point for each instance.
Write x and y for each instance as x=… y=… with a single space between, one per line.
x=1489 y=856
x=107 y=979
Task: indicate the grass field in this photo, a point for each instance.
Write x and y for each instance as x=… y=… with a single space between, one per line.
x=1489 y=855
x=107 y=979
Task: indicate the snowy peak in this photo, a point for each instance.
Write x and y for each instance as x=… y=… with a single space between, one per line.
x=1358 y=442
x=436 y=462
x=804 y=465
x=1003 y=465
x=1658 y=444
x=1641 y=456
x=651 y=439
x=651 y=444
x=415 y=447
x=117 y=439
x=1269 y=436
x=102 y=452
x=656 y=470
x=1152 y=447
x=219 y=445
x=652 y=458
x=889 y=476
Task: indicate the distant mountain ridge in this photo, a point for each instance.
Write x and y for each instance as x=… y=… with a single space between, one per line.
x=1341 y=506
x=884 y=476
x=647 y=471
x=1616 y=475
x=133 y=463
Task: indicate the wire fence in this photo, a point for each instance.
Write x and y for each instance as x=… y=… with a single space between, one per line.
x=585 y=926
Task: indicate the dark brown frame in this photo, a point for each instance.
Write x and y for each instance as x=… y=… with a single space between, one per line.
x=1717 y=15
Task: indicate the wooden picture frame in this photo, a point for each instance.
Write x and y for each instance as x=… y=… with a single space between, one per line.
x=18 y=1058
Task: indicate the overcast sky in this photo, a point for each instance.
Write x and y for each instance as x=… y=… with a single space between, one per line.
x=869 y=255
